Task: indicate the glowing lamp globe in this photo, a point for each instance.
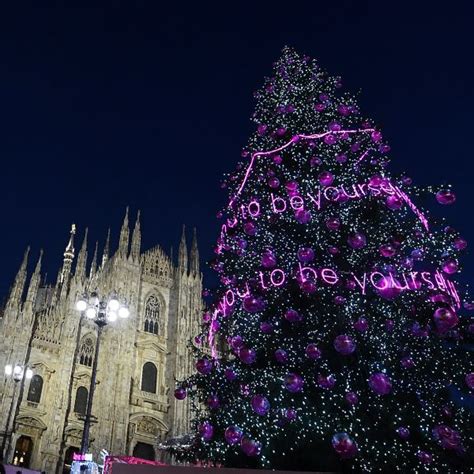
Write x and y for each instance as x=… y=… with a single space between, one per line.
x=29 y=374
x=8 y=369
x=113 y=304
x=112 y=316
x=123 y=312
x=81 y=305
x=91 y=313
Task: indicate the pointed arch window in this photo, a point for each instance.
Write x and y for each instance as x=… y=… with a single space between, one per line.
x=86 y=351
x=149 y=376
x=80 y=404
x=152 y=315
x=35 y=389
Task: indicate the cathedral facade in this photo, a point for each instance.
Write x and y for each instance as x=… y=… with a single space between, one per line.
x=140 y=357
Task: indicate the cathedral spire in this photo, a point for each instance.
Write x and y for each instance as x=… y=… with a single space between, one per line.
x=68 y=256
x=35 y=281
x=19 y=283
x=183 y=252
x=136 y=240
x=124 y=237
x=105 y=254
x=82 y=258
x=194 y=256
x=93 y=269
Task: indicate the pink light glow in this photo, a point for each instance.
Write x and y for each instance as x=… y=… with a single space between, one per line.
x=294 y=139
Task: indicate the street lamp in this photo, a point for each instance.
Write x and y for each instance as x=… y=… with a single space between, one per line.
x=17 y=373
x=101 y=312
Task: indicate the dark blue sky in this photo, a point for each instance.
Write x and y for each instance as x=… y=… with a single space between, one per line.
x=147 y=104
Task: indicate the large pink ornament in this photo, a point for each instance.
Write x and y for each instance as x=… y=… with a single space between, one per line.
x=445 y=319
x=281 y=356
x=380 y=383
x=326 y=381
x=206 y=431
x=333 y=223
x=230 y=374
x=250 y=228
x=268 y=260
x=293 y=316
x=213 y=402
x=387 y=288
x=344 y=445
x=294 y=383
x=303 y=216
x=387 y=250
x=361 y=325
x=305 y=254
x=393 y=202
x=233 y=435
x=313 y=352
x=469 y=379
x=376 y=136
x=266 y=327
x=247 y=356
x=344 y=344
x=445 y=197
x=351 y=398
x=450 y=266
x=252 y=304
x=357 y=240
x=326 y=178
x=204 y=366
x=180 y=393
x=273 y=182
x=260 y=405
x=447 y=437
x=250 y=447
x=460 y=243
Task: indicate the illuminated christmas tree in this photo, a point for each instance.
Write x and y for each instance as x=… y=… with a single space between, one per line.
x=342 y=334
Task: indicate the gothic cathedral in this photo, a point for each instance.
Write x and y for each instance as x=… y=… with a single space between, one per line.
x=140 y=357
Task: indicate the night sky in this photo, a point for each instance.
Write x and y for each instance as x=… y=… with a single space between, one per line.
x=147 y=104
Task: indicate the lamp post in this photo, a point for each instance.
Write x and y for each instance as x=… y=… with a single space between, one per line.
x=18 y=373
x=101 y=312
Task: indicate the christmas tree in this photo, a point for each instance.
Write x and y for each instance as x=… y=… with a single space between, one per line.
x=338 y=338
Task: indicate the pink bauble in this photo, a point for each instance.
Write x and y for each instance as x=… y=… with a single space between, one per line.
x=407 y=362
x=447 y=437
x=380 y=383
x=293 y=316
x=445 y=197
x=273 y=182
x=268 y=260
x=469 y=379
x=450 y=266
x=180 y=393
x=293 y=382
x=204 y=366
x=402 y=432
x=335 y=126
x=344 y=344
x=247 y=356
x=206 y=431
x=424 y=457
x=230 y=374
x=213 y=402
x=393 y=202
x=326 y=178
x=303 y=216
x=361 y=325
x=253 y=304
x=281 y=356
x=266 y=327
x=326 y=381
x=308 y=286
x=357 y=240
x=445 y=319
x=329 y=139
x=388 y=289
x=351 y=398
x=250 y=447
x=260 y=405
x=333 y=223
x=313 y=352
x=376 y=136
x=460 y=243
x=250 y=228
x=305 y=254
x=233 y=435
x=344 y=445
x=387 y=250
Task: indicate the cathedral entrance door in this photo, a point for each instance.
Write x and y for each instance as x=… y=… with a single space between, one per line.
x=23 y=451
x=144 y=451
